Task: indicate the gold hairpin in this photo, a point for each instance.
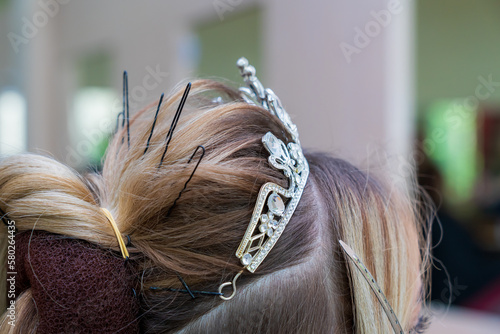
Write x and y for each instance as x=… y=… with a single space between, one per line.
x=121 y=243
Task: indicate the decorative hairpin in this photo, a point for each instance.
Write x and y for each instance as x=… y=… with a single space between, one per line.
x=266 y=226
x=374 y=286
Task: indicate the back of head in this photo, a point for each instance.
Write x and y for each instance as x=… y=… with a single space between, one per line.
x=192 y=230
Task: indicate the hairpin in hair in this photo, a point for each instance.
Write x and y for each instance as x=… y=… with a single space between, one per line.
x=186 y=289
x=125 y=105
x=257 y=243
x=125 y=111
x=185 y=286
x=154 y=123
x=118 y=121
x=190 y=176
x=174 y=121
x=121 y=243
x=191 y=292
x=374 y=286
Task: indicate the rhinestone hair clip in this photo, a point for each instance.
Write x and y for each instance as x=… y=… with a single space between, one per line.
x=267 y=224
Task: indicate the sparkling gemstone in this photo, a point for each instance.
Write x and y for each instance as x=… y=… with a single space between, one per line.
x=284 y=117
x=246 y=259
x=242 y=62
x=273 y=223
x=276 y=204
x=276 y=147
x=270 y=232
x=294 y=150
x=264 y=218
x=263 y=228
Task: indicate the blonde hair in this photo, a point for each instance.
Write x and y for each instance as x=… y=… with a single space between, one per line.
x=305 y=284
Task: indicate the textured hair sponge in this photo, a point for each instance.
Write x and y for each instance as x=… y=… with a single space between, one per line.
x=77 y=286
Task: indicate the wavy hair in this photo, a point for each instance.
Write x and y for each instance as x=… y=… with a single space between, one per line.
x=305 y=285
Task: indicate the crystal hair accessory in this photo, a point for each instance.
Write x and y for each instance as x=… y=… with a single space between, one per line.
x=275 y=204
x=374 y=286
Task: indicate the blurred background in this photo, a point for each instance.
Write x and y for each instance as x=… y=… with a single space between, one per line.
x=393 y=83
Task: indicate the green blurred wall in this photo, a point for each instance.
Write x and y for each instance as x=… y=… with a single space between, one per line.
x=222 y=42
x=457 y=41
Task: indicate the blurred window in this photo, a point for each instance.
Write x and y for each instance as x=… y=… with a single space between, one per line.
x=91 y=120
x=13 y=122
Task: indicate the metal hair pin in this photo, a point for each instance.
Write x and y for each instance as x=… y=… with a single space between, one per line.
x=374 y=286
x=125 y=104
x=190 y=176
x=177 y=115
x=125 y=111
x=192 y=293
x=121 y=243
x=154 y=123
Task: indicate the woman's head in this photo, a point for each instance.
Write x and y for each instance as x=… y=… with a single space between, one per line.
x=304 y=285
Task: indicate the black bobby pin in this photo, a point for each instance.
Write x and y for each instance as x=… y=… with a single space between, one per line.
x=210 y=293
x=190 y=177
x=154 y=123
x=118 y=120
x=185 y=286
x=126 y=114
x=174 y=121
